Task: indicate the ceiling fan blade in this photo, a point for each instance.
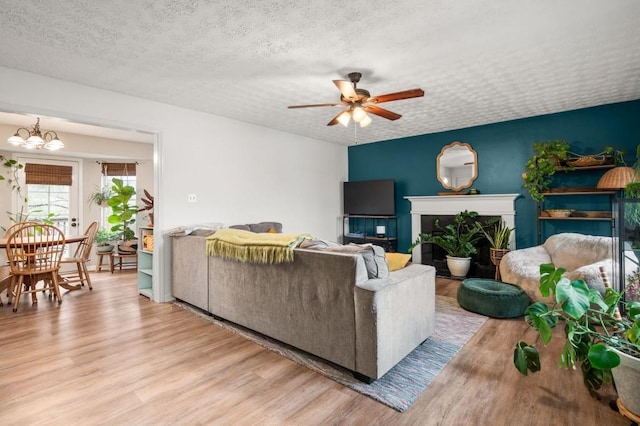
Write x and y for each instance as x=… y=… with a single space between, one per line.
x=334 y=121
x=381 y=112
x=405 y=94
x=313 y=105
x=346 y=89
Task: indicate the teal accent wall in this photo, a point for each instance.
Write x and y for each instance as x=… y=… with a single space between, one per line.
x=503 y=149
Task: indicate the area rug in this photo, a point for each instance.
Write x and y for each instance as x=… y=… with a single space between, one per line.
x=404 y=383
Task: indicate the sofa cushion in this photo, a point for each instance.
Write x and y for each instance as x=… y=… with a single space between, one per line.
x=318 y=244
x=273 y=227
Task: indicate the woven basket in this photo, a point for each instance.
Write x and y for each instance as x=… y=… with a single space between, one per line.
x=496 y=255
x=559 y=213
x=586 y=161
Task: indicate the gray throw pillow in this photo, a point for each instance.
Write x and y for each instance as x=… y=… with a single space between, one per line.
x=375 y=260
x=373 y=256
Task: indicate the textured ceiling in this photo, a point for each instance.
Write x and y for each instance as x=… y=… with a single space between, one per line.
x=478 y=62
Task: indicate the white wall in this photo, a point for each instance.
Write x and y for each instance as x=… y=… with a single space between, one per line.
x=240 y=172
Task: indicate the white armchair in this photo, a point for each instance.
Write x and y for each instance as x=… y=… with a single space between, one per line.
x=581 y=255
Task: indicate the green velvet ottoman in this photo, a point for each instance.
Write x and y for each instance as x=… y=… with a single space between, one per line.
x=492 y=298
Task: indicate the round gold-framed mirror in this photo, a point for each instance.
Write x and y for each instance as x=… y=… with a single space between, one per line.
x=457 y=166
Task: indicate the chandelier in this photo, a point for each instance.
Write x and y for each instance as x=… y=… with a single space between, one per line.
x=35 y=139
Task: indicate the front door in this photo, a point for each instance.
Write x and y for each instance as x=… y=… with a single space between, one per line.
x=49 y=192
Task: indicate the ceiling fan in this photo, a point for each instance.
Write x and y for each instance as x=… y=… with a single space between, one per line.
x=359 y=102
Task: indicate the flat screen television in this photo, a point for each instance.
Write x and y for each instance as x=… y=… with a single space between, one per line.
x=370 y=197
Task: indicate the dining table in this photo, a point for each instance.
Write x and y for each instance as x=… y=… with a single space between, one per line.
x=69 y=239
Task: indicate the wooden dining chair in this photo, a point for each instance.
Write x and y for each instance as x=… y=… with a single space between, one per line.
x=80 y=258
x=34 y=251
x=5 y=270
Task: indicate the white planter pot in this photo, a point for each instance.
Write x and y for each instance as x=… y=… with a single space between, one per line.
x=458 y=266
x=104 y=249
x=626 y=376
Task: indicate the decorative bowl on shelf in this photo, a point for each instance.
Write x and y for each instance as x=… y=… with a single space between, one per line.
x=559 y=212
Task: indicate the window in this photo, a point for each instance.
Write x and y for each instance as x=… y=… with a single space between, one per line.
x=48 y=193
x=124 y=171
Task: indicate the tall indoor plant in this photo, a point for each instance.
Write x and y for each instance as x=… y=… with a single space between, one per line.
x=123 y=211
x=458 y=239
x=599 y=340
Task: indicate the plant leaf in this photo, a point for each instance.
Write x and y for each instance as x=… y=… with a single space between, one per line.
x=541 y=321
x=549 y=277
x=634 y=310
x=573 y=296
x=602 y=357
x=526 y=358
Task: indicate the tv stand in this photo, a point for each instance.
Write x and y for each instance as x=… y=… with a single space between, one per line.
x=362 y=229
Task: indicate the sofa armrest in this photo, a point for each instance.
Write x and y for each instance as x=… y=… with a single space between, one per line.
x=393 y=316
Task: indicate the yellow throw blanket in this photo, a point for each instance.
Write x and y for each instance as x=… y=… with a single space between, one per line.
x=252 y=247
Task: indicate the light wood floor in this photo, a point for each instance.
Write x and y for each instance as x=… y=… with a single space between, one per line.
x=109 y=356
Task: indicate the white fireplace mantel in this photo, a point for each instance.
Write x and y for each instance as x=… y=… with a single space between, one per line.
x=502 y=205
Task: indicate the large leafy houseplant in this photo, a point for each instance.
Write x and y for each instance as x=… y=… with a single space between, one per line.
x=458 y=239
x=542 y=165
x=123 y=211
x=592 y=327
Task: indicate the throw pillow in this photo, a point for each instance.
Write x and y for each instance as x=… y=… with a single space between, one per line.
x=374 y=260
x=373 y=257
x=397 y=261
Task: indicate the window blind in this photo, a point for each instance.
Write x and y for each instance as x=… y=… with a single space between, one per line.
x=48 y=174
x=119 y=169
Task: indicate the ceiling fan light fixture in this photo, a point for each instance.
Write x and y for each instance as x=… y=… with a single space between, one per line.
x=366 y=121
x=358 y=114
x=343 y=118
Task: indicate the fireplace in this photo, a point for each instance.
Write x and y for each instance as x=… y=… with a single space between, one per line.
x=481 y=266
x=425 y=209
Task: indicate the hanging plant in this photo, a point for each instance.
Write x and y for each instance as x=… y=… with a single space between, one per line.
x=544 y=163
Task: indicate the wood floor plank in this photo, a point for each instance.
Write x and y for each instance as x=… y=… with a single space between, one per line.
x=110 y=356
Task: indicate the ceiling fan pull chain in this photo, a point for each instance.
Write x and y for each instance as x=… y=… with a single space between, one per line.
x=355 y=134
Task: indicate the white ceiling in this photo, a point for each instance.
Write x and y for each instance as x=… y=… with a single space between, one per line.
x=478 y=62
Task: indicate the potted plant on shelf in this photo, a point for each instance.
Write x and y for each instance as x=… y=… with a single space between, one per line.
x=458 y=239
x=542 y=165
x=599 y=341
x=148 y=205
x=100 y=196
x=123 y=214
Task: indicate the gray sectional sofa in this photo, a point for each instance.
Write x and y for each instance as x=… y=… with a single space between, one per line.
x=323 y=303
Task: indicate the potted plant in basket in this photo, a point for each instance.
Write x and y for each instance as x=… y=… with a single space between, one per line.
x=457 y=239
x=498 y=236
x=600 y=341
x=123 y=214
x=100 y=196
x=542 y=165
